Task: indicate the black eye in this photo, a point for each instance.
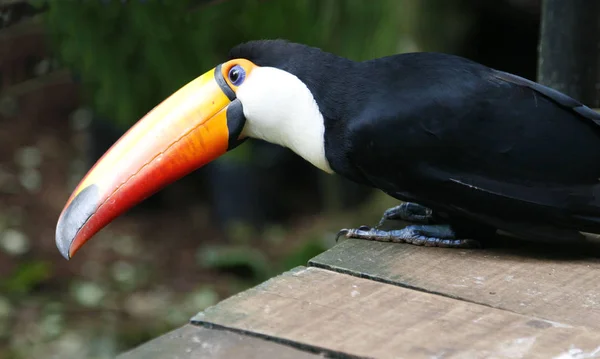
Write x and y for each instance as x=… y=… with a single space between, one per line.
x=237 y=75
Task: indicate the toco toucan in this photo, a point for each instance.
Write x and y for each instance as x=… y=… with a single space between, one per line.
x=469 y=150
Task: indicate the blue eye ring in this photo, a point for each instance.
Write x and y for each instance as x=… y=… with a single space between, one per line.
x=237 y=75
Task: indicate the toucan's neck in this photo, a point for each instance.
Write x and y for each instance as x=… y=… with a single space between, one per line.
x=280 y=109
x=303 y=87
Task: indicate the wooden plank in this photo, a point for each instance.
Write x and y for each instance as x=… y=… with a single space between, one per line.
x=192 y=341
x=365 y=318
x=557 y=285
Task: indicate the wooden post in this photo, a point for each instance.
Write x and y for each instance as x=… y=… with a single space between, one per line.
x=569 y=56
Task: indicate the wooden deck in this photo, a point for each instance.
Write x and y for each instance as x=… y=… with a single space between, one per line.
x=380 y=300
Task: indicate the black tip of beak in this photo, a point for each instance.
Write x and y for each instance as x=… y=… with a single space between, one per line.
x=74 y=218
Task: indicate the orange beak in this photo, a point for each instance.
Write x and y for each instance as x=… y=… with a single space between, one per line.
x=194 y=126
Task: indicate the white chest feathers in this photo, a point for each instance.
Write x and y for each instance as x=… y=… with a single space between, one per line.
x=280 y=109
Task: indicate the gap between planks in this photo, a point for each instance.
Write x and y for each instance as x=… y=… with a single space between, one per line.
x=539 y=281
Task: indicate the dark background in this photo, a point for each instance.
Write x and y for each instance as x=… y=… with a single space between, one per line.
x=75 y=75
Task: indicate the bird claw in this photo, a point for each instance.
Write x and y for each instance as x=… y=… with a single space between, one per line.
x=350 y=233
x=343 y=232
x=421 y=235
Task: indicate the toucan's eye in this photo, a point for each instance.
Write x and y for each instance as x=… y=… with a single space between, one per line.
x=237 y=75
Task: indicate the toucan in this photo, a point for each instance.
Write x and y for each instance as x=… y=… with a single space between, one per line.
x=466 y=149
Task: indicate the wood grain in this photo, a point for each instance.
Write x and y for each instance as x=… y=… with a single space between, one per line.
x=194 y=342
x=364 y=318
x=562 y=286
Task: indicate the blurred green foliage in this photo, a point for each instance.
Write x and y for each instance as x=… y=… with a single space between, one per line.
x=251 y=264
x=302 y=254
x=247 y=262
x=131 y=55
x=26 y=277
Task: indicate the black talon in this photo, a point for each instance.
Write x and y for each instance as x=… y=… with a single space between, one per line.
x=342 y=232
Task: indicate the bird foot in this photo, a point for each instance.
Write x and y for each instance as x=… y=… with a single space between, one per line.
x=420 y=235
x=408 y=211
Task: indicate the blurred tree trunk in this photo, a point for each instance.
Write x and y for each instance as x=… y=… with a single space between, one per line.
x=569 y=58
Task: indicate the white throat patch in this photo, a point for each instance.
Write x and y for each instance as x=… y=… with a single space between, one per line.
x=280 y=109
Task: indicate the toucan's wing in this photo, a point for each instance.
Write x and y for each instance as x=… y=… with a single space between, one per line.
x=558 y=97
x=484 y=141
x=573 y=203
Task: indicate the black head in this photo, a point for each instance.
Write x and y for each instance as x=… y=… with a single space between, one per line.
x=285 y=55
x=329 y=77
